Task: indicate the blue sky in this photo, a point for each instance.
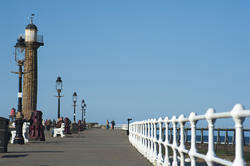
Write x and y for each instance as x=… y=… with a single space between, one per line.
x=135 y=58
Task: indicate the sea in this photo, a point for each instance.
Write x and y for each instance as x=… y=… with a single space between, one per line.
x=205 y=138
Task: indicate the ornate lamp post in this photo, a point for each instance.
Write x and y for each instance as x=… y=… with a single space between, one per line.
x=84 y=114
x=74 y=98
x=84 y=107
x=19 y=58
x=59 y=89
x=74 y=125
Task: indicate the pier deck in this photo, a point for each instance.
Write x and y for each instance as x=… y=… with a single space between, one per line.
x=93 y=147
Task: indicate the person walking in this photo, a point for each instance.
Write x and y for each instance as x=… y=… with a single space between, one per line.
x=107 y=124
x=113 y=124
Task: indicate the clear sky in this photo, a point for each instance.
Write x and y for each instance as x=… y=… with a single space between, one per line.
x=132 y=58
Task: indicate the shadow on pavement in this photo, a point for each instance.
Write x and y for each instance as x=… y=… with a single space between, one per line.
x=45 y=151
x=14 y=156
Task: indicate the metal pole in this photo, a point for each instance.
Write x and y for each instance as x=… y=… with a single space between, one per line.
x=20 y=89
x=19 y=119
x=82 y=114
x=58 y=114
x=74 y=111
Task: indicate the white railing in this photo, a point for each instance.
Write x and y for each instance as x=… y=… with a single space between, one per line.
x=148 y=138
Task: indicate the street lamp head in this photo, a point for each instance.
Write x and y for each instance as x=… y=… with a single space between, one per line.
x=74 y=98
x=19 y=51
x=83 y=103
x=59 y=84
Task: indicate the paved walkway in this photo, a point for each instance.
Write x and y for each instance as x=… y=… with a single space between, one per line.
x=94 y=147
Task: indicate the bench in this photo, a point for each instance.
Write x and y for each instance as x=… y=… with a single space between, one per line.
x=59 y=131
x=25 y=133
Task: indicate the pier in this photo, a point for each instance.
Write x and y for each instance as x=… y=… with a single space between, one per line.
x=93 y=147
x=115 y=83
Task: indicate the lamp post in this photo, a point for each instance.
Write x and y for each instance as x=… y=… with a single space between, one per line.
x=74 y=98
x=84 y=107
x=59 y=89
x=19 y=58
x=74 y=125
x=84 y=114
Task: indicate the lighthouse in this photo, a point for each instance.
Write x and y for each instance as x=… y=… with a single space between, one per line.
x=32 y=42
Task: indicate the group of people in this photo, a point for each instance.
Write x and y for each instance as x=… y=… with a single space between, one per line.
x=48 y=123
x=112 y=124
x=57 y=124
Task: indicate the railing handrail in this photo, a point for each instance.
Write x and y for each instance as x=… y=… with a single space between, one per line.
x=143 y=135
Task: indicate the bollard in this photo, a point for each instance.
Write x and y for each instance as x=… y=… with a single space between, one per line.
x=129 y=119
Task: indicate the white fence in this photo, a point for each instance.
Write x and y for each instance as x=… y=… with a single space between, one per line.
x=154 y=145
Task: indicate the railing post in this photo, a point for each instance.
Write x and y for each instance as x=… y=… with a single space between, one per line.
x=148 y=138
x=136 y=134
x=145 y=138
x=154 y=141
x=174 y=145
x=136 y=131
x=151 y=140
x=210 y=121
x=182 y=144
x=140 y=137
x=239 y=159
x=193 y=149
x=131 y=131
x=159 y=157
x=166 y=143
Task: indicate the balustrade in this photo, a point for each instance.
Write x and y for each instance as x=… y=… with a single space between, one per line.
x=153 y=138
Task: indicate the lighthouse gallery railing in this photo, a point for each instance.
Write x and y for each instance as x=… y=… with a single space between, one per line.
x=145 y=138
